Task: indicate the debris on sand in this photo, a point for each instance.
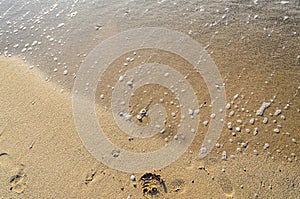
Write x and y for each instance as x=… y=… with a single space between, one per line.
x=262 y=109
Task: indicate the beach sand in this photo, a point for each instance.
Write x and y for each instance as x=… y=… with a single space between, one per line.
x=42 y=155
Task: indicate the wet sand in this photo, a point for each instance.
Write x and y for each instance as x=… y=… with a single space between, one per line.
x=42 y=154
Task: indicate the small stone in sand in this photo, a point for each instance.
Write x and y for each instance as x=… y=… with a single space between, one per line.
x=235 y=97
x=228 y=106
x=130 y=83
x=266 y=145
x=287 y=107
x=255 y=131
x=276 y=131
x=277 y=112
x=255 y=152
x=197 y=111
x=213 y=115
x=224 y=155
x=121 y=78
x=143 y=112
x=132 y=178
x=229 y=125
x=244 y=145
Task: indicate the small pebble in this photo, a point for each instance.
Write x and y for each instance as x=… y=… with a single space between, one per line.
x=132 y=178
x=197 y=111
x=266 y=145
x=265 y=120
x=244 y=145
x=255 y=152
x=287 y=107
x=130 y=83
x=228 y=106
x=213 y=116
x=293 y=154
x=121 y=78
x=224 y=155
x=60 y=25
x=235 y=97
x=143 y=112
x=255 y=132
x=229 y=125
x=276 y=131
x=277 y=112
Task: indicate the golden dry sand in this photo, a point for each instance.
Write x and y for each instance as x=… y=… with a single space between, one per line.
x=42 y=155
